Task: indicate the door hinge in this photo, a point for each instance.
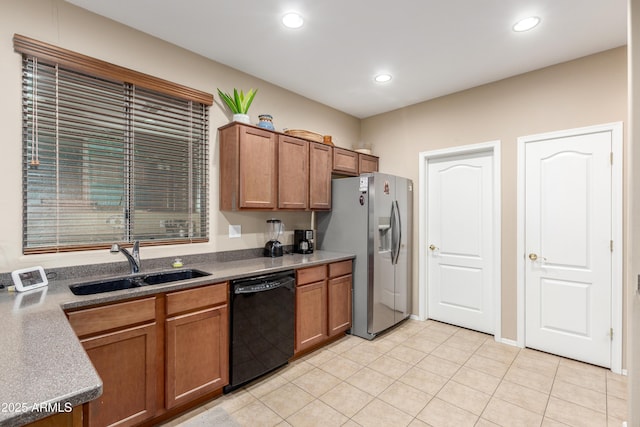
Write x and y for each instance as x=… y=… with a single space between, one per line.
x=611 y=245
x=611 y=157
x=611 y=333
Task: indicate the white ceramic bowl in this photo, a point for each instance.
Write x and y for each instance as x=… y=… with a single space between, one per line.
x=363 y=150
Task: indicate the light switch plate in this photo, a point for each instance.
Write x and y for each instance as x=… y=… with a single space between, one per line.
x=235 y=231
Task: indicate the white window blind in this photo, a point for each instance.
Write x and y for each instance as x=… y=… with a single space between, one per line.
x=107 y=161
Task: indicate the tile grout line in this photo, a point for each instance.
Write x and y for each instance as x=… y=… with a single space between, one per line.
x=498 y=386
x=553 y=383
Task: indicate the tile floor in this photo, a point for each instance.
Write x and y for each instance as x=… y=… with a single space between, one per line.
x=423 y=374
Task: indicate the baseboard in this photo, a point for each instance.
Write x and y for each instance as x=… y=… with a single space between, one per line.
x=415 y=317
x=509 y=342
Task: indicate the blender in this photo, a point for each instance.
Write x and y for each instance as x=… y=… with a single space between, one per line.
x=273 y=248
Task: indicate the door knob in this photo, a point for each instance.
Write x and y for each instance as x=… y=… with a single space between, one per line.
x=433 y=247
x=533 y=257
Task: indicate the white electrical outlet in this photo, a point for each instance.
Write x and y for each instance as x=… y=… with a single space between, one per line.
x=235 y=231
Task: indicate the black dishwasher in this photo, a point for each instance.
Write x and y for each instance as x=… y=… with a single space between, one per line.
x=262 y=326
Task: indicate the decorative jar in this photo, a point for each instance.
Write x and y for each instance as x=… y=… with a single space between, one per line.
x=266 y=121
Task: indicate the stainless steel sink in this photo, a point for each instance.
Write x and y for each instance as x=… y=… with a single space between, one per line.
x=134 y=281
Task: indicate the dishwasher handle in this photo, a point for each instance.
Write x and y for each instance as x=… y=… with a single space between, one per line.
x=263 y=284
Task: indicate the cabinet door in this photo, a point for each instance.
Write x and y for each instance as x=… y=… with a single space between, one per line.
x=345 y=162
x=197 y=354
x=311 y=315
x=126 y=362
x=293 y=173
x=258 y=169
x=339 y=304
x=320 y=159
x=367 y=163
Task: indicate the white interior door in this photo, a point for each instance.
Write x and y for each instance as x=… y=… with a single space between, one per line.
x=460 y=200
x=568 y=238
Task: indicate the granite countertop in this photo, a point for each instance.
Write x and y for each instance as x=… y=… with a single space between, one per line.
x=44 y=368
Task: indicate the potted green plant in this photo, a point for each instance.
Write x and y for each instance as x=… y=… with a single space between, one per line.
x=239 y=103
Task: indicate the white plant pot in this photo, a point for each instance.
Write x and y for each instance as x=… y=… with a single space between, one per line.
x=242 y=118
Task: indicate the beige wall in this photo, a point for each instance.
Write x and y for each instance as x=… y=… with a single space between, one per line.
x=633 y=253
x=64 y=25
x=587 y=91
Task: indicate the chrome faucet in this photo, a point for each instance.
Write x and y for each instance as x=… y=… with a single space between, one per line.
x=133 y=257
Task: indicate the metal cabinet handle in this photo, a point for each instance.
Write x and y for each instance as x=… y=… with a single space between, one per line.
x=533 y=257
x=433 y=247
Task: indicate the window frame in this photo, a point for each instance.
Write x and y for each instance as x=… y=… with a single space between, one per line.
x=82 y=64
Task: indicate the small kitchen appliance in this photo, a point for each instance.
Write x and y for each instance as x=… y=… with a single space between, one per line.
x=273 y=248
x=303 y=241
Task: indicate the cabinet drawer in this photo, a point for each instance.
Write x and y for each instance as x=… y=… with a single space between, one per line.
x=98 y=319
x=311 y=274
x=192 y=299
x=345 y=161
x=340 y=268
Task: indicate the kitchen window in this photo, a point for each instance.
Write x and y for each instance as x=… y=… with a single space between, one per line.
x=109 y=154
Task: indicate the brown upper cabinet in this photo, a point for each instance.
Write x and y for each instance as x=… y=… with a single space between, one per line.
x=248 y=168
x=367 y=163
x=293 y=173
x=351 y=163
x=345 y=161
x=320 y=161
x=267 y=170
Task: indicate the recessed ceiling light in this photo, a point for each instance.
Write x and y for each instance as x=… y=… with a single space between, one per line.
x=526 y=24
x=292 y=20
x=382 y=78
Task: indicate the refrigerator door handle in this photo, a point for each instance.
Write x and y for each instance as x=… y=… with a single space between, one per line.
x=393 y=232
x=398 y=246
x=396 y=232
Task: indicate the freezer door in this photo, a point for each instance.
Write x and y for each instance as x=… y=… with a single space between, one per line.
x=382 y=298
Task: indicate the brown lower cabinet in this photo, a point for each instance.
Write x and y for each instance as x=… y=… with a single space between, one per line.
x=120 y=340
x=63 y=419
x=339 y=297
x=311 y=317
x=156 y=355
x=139 y=349
x=125 y=360
x=323 y=303
x=197 y=344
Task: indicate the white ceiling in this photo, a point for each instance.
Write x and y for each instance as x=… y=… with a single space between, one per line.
x=431 y=47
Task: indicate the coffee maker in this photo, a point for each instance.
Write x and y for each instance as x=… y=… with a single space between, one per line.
x=303 y=241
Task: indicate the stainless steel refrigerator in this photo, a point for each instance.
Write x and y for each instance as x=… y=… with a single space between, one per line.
x=371 y=217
